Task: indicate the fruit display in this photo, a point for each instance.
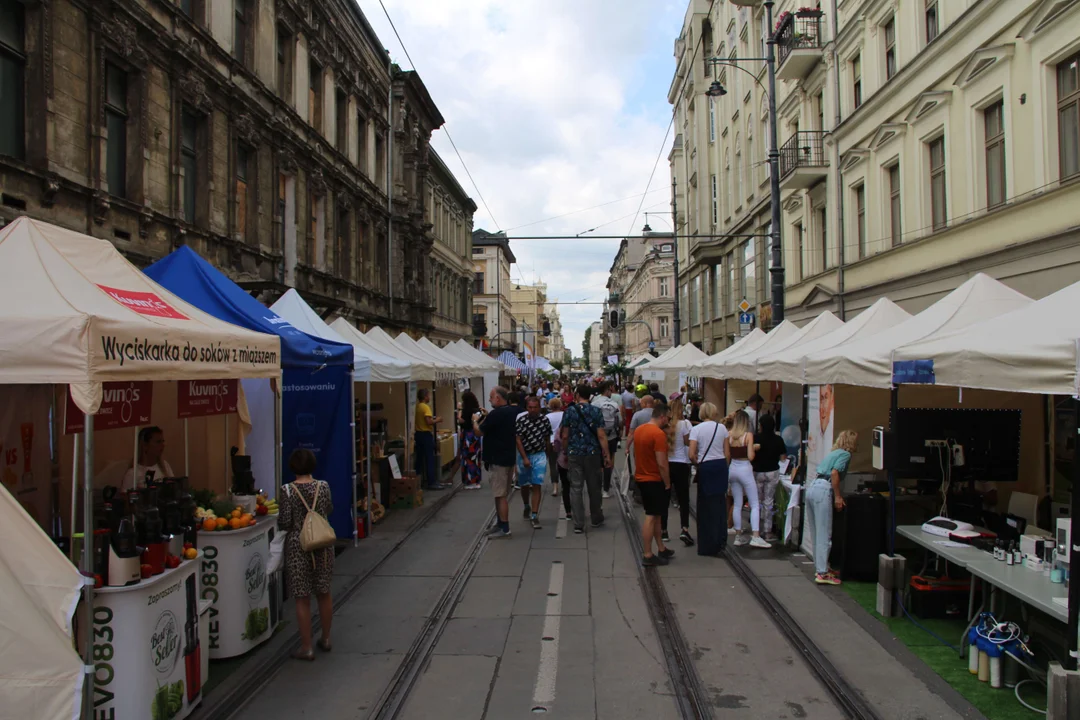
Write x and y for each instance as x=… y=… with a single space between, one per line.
x=264 y=506
x=224 y=516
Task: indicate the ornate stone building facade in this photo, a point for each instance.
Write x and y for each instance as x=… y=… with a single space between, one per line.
x=254 y=131
x=450 y=215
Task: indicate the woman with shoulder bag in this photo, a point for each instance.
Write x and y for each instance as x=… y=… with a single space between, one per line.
x=308 y=571
x=739 y=448
x=707 y=452
x=678 y=435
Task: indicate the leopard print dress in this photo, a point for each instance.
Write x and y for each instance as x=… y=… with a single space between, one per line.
x=305 y=572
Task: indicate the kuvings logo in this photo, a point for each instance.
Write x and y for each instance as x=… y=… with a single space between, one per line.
x=165 y=643
x=125 y=397
x=255 y=578
x=144 y=303
x=219 y=392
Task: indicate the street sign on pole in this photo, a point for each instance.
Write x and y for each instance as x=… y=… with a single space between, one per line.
x=652 y=345
x=744 y=306
x=746 y=321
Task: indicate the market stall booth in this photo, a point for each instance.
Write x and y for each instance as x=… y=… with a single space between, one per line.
x=735 y=391
x=672 y=369
x=78 y=314
x=1033 y=350
x=486 y=373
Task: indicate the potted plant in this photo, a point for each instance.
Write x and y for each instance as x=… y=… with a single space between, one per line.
x=808 y=12
x=780 y=20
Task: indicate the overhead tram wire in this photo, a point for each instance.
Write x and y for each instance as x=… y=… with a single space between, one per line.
x=444 y=128
x=671 y=123
x=575 y=212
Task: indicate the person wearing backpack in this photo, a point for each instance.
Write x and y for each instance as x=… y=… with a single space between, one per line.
x=612 y=412
x=309 y=548
x=585 y=441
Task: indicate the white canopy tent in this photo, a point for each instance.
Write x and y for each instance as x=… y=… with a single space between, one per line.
x=1032 y=349
x=716 y=365
x=384 y=367
x=639 y=361
x=420 y=368
x=464 y=367
x=867 y=362
x=676 y=360
x=469 y=353
x=746 y=366
x=787 y=365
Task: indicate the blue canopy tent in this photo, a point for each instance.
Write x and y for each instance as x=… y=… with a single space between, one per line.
x=511 y=361
x=316 y=409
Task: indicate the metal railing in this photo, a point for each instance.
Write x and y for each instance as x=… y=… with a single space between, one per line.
x=805 y=148
x=797 y=33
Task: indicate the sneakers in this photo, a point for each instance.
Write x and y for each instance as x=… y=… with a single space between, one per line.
x=731 y=531
x=664 y=536
x=826 y=579
x=578 y=531
x=771 y=536
x=653 y=560
x=740 y=540
x=527 y=512
x=497 y=532
x=605 y=494
x=759 y=542
x=686 y=539
x=598 y=524
x=555 y=491
x=535 y=522
x=666 y=553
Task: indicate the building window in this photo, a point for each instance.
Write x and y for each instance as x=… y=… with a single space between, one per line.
x=856 y=80
x=1068 y=82
x=823 y=239
x=242 y=30
x=380 y=162
x=890 y=48
x=800 y=242
x=931 y=20
x=116 y=117
x=361 y=143
x=189 y=144
x=315 y=89
x=718 y=289
x=712 y=119
x=731 y=282
x=665 y=327
x=244 y=170
x=194 y=9
x=343 y=251
x=12 y=68
x=695 y=300
x=341 y=120
x=994 y=132
x=749 y=278
x=478 y=284
x=938 y=211
x=705 y=304
x=895 y=226
x=715 y=203
x=860 y=218
x=285 y=47
x=665 y=287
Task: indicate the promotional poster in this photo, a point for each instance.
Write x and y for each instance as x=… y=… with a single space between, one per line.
x=25 y=466
x=196 y=398
x=820 y=416
x=317 y=415
x=123 y=404
x=235 y=581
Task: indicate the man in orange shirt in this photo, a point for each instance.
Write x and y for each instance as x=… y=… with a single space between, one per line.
x=654 y=483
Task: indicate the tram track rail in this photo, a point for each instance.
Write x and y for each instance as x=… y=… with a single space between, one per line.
x=847 y=698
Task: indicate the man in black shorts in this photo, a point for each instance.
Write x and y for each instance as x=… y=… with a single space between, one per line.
x=654 y=482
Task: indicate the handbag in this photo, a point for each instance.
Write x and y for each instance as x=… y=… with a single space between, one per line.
x=315 y=533
x=277 y=553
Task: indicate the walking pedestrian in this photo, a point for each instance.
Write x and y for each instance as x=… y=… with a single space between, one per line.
x=823 y=496
x=642 y=416
x=769 y=452
x=739 y=448
x=678 y=438
x=307 y=573
x=424 y=435
x=753 y=410
x=500 y=448
x=629 y=406
x=707 y=451
x=587 y=454
x=469 y=441
x=555 y=416
x=612 y=412
x=533 y=444
x=654 y=481
x=567 y=396
x=654 y=390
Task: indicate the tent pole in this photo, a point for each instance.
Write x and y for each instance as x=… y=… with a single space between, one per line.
x=367 y=456
x=1074 y=547
x=352 y=471
x=277 y=437
x=227 y=456
x=187 y=469
x=894 y=430
x=88 y=563
x=75 y=490
x=135 y=460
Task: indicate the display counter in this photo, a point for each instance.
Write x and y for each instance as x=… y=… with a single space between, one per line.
x=233 y=577
x=447 y=448
x=147 y=653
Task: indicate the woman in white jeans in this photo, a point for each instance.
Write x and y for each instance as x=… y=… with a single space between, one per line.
x=739 y=447
x=823 y=495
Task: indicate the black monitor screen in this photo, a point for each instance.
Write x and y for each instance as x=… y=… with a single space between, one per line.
x=990 y=438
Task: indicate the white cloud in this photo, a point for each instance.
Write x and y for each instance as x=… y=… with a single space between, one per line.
x=555 y=105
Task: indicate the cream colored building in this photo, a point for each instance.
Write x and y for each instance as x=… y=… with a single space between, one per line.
x=641 y=287
x=596 y=359
x=492 y=258
x=450 y=215
x=930 y=141
x=556 y=344
x=528 y=305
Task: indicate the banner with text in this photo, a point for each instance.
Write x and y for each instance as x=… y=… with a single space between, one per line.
x=123 y=404
x=25 y=467
x=196 y=398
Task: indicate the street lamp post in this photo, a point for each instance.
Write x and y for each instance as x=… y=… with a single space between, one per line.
x=676 y=319
x=777 y=270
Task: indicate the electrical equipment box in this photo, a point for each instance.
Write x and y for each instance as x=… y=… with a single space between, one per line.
x=1064 y=532
x=884 y=449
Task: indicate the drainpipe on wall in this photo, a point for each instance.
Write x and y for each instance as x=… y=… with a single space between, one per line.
x=836 y=160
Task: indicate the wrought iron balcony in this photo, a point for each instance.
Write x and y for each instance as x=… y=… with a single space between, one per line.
x=799 y=43
x=802 y=160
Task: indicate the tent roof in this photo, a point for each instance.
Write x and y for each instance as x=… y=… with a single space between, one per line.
x=787 y=365
x=1031 y=349
x=421 y=367
x=678 y=358
x=76 y=312
x=468 y=352
x=662 y=356
x=299 y=314
x=746 y=366
x=714 y=366
x=867 y=361
x=639 y=360
x=464 y=368
x=190 y=276
x=511 y=361
x=384 y=367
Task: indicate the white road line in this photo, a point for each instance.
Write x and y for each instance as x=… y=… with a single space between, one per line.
x=560 y=528
x=546 y=674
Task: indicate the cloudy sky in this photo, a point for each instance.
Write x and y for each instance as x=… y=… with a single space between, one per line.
x=556 y=106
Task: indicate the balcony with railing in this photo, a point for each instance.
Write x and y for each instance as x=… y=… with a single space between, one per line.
x=799 y=42
x=803 y=163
